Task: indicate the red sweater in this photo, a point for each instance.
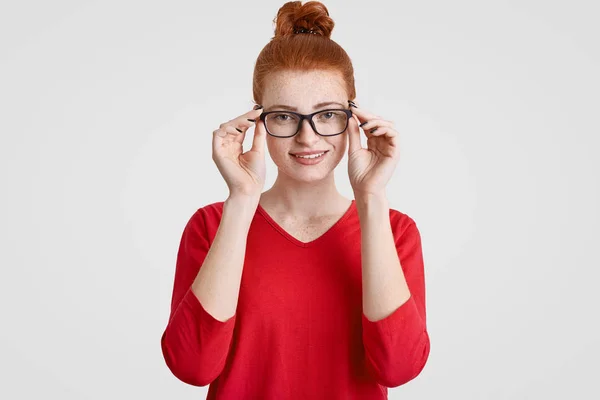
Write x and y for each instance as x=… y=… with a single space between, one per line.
x=299 y=331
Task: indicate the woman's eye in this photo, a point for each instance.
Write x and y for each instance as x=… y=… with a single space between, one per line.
x=329 y=114
x=281 y=116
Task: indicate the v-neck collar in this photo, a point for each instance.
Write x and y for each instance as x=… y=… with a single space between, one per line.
x=299 y=243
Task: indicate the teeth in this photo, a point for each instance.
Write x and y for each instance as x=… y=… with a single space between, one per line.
x=311 y=156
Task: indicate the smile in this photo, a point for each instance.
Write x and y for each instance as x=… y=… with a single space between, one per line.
x=311 y=156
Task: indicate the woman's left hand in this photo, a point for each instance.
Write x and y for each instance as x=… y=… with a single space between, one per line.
x=370 y=169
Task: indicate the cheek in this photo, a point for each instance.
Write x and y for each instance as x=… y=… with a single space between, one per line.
x=277 y=149
x=338 y=149
x=341 y=145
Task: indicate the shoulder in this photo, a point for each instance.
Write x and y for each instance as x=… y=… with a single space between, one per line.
x=403 y=225
x=206 y=219
x=212 y=211
x=208 y=215
x=400 y=220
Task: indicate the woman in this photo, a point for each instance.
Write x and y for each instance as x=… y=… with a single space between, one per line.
x=299 y=292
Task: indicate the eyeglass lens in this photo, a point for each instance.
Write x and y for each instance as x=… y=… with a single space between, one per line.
x=330 y=122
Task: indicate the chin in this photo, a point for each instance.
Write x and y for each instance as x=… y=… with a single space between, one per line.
x=307 y=177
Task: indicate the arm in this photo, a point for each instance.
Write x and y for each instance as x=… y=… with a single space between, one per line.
x=394 y=317
x=196 y=340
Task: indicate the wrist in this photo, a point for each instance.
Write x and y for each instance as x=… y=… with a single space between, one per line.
x=242 y=203
x=371 y=203
x=367 y=198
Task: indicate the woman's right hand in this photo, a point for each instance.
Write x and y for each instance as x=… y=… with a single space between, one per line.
x=244 y=173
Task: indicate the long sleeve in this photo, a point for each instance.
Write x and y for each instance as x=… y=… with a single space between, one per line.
x=397 y=346
x=194 y=344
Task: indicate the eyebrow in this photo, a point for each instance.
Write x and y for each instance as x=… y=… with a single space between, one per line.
x=318 y=105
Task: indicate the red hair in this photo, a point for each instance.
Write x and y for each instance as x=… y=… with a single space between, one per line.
x=288 y=50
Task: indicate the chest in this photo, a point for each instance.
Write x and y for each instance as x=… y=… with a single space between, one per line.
x=306 y=289
x=307 y=230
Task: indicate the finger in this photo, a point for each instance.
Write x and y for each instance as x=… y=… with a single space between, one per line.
x=363 y=115
x=385 y=141
x=252 y=113
x=228 y=133
x=240 y=124
x=248 y=119
x=244 y=121
x=219 y=132
x=374 y=123
x=236 y=133
x=258 y=141
x=218 y=138
x=353 y=136
x=383 y=131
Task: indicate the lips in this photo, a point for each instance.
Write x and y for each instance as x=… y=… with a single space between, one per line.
x=308 y=153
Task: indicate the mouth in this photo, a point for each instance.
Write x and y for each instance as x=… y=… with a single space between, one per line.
x=309 y=155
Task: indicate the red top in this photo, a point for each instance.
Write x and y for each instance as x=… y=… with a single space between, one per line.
x=299 y=331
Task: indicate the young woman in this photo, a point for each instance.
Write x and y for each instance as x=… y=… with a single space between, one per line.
x=298 y=292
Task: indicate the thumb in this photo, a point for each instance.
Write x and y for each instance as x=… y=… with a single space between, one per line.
x=258 y=141
x=353 y=136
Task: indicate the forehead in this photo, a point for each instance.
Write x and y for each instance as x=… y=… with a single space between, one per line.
x=303 y=89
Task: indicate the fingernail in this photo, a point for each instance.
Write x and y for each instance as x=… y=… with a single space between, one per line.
x=251 y=120
x=373 y=130
x=352 y=104
x=363 y=123
x=239 y=130
x=256 y=107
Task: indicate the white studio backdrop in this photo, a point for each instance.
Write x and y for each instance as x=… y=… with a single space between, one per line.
x=106 y=118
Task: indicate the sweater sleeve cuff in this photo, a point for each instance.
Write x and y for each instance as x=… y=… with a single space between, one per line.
x=208 y=323
x=396 y=346
x=404 y=318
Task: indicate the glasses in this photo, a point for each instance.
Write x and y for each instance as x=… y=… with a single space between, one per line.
x=284 y=124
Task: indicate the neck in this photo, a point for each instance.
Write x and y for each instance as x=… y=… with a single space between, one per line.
x=304 y=199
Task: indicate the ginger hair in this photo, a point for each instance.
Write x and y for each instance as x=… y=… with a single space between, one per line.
x=288 y=50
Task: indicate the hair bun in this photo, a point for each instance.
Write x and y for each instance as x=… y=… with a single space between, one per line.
x=293 y=17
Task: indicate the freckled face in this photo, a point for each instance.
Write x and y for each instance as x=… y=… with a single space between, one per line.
x=304 y=90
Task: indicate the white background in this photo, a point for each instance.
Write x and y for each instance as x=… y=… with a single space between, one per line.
x=106 y=117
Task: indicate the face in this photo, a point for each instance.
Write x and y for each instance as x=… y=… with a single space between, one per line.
x=301 y=92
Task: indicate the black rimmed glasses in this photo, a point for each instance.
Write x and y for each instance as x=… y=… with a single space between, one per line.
x=284 y=124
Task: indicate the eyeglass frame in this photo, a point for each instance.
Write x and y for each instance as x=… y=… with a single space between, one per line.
x=309 y=117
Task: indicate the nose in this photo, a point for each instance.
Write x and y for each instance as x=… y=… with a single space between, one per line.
x=307 y=135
